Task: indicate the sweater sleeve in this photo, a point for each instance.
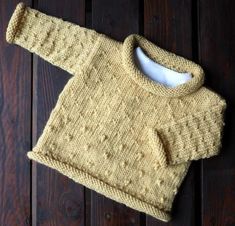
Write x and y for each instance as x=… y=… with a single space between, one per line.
x=193 y=137
x=61 y=43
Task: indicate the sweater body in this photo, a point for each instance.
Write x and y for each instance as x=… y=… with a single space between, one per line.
x=112 y=129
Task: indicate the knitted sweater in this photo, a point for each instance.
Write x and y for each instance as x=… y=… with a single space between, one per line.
x=113 y=129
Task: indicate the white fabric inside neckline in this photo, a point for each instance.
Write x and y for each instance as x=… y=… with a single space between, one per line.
x=157 y=72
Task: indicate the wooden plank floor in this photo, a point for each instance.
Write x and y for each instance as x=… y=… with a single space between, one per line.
x=32 y=194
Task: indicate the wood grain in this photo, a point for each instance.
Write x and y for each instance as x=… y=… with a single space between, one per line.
x=57 y=200
x=217 y=55
x=169 y=25
x=32 y=194
x=15 y=127
x=116 y=19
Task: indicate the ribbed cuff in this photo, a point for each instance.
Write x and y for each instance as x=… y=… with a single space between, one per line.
x=14 y=22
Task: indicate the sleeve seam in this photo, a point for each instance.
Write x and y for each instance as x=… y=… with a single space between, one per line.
x=91 y=54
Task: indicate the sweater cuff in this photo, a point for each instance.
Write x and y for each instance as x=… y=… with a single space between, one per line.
x=193 y=137
x=15 y=22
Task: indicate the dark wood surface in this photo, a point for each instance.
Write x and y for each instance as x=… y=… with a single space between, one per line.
x=32 y=194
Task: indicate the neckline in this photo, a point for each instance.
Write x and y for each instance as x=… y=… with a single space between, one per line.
x=165 y=58
x=157 y=72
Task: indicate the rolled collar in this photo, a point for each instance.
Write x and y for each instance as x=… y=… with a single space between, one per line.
x=165 y=58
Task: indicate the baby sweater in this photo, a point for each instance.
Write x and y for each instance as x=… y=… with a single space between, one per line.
x=113 y=129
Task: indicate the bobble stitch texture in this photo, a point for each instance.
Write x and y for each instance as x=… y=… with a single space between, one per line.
x=109 y=97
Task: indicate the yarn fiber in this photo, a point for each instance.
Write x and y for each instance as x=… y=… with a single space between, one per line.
x=113 y=129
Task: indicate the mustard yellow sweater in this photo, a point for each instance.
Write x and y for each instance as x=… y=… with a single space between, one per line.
x=113 y=129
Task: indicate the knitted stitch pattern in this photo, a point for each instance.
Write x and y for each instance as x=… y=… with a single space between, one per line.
x=113 y=129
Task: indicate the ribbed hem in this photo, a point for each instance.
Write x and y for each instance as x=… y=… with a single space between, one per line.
x=15 y=22
x=99 y=186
